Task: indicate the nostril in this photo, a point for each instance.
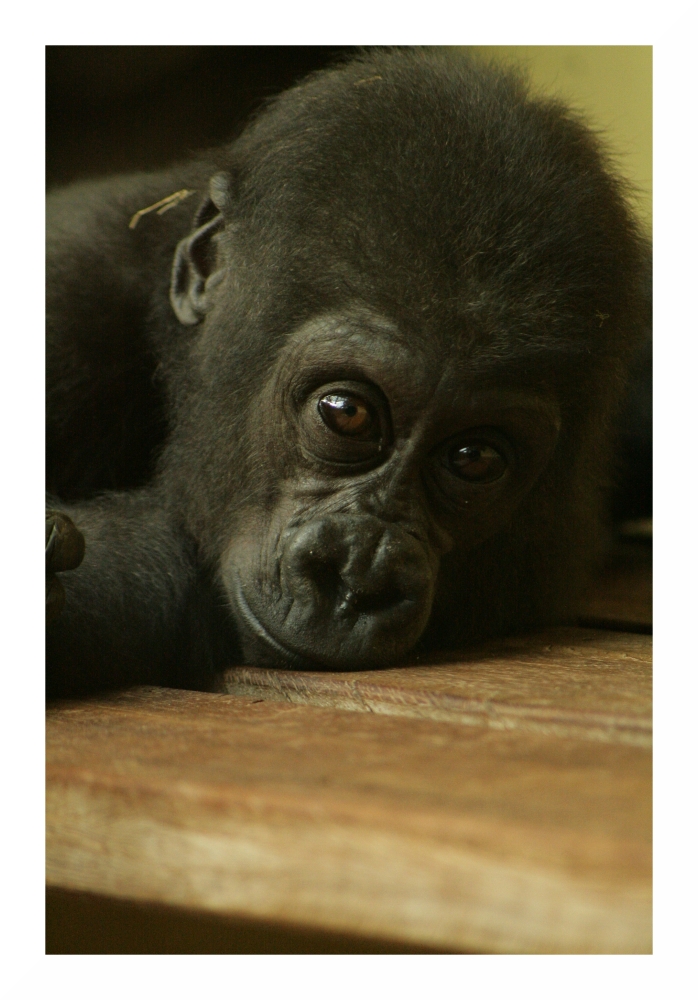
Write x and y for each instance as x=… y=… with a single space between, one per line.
x=355 y=592
x=343 y=592
x=361 y=603
x=345 y=571
x=325 y=575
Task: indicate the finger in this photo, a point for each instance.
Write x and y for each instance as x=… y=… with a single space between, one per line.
x=65 y=545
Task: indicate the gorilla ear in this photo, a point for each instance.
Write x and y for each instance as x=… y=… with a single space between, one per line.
x=195 y=270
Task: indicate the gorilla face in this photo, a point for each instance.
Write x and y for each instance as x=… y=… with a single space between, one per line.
x=376 y=455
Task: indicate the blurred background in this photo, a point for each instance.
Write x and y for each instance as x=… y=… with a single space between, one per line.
x=611 y=85
x=124 y=108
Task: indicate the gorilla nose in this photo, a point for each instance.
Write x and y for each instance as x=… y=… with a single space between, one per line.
x=352 y=566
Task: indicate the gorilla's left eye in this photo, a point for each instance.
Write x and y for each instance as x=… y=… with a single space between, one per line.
x=476 y=463
x=349 y=416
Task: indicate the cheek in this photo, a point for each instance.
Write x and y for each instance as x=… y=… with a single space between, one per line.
x=466 y=532
x=253 y=551
x=471 y=515
x=271 y=437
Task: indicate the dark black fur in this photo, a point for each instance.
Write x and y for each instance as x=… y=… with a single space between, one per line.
x=408 y=227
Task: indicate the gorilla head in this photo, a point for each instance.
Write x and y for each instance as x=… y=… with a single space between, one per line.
x=411 y=291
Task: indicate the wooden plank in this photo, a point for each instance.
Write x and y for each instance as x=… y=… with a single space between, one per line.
x=451 y=836
x=566 y=682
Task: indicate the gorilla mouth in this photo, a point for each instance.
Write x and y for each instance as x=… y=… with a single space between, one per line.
x=260 y=632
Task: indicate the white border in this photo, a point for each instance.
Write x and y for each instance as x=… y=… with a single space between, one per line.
x=670 y=27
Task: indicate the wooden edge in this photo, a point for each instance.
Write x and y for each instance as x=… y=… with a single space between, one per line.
x=355 y=877
x=370 y=696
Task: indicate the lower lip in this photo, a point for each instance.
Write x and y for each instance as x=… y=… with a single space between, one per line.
x=259 y=630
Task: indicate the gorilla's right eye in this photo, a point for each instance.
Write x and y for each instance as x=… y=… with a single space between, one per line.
x=349 y=416
x=346 y=425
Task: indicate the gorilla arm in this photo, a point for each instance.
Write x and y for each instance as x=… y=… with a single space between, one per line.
x=136 y=602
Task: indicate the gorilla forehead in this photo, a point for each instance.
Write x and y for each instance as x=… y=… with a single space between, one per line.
x=415 y=116
x=400 y=128
x=416 y=183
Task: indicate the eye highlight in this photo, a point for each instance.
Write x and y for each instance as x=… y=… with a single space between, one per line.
x=349 y=416
x=346 y=426
x=476 y=463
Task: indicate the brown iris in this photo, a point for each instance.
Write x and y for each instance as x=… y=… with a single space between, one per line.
x=349 y=416
x=477 y=463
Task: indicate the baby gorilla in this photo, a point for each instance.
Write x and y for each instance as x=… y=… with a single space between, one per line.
x=341 y=390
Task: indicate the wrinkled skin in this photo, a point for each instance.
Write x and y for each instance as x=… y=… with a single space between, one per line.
x=379 y=379
x=342 y=569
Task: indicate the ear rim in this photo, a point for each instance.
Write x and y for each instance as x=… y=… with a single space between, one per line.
x=188 y=285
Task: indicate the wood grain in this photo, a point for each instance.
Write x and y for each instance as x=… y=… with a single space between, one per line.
x=570 y=682
x=459 y=837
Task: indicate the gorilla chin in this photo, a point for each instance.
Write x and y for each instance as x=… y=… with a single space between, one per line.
x=353 y=593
